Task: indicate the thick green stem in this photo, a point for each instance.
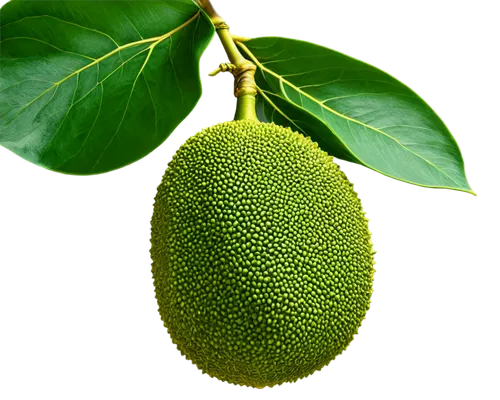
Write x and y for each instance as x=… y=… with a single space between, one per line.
x=245 y=108
x=245 y=88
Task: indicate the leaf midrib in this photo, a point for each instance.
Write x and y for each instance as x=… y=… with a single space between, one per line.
x=282 y=80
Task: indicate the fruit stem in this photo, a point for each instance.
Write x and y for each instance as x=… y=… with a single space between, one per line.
x=245 y=88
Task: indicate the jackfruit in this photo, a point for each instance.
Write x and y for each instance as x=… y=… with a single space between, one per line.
x=262 y=258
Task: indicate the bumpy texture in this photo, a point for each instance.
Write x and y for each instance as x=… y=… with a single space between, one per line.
x=262 y=259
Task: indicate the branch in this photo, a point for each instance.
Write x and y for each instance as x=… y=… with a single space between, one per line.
x=245 y=88
x=209 y=9
x=223 y=33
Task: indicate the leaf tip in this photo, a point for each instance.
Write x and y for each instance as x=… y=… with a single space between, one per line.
x=473 y=194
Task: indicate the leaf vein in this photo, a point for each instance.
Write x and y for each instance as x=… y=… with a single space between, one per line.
x=126 y=108
x=64 y=21
x=48 y=44
x=276 y=108
x=23 y=81
x=365 y=94
x=133 y=26
x=91 y=128
x=64 y=118
x=171 y=58
x=152 y=102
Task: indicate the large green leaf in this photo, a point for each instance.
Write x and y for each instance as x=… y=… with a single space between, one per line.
x=90 y=86
x=354 y=111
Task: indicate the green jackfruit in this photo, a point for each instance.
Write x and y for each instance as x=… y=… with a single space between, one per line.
x=262 y=259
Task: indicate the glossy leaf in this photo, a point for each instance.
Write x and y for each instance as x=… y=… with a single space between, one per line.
x=354 y=111
x=90 y=86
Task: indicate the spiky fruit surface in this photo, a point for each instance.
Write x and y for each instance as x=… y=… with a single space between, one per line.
x=262 y=259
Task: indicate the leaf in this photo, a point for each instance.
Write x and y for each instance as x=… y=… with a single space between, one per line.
x=90 y=86
x=354 y=111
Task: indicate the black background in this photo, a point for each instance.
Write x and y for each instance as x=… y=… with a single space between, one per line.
x=75 y=253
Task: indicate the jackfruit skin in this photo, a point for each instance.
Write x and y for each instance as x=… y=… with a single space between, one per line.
x=262 y=258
